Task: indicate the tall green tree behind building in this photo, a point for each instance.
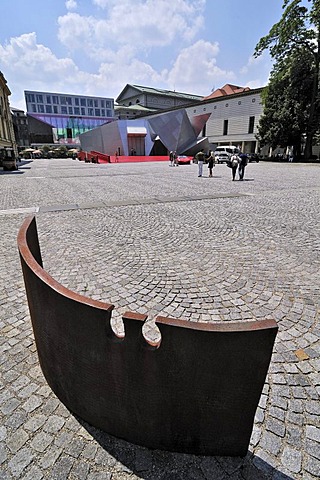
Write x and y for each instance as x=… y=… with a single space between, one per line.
x=291 y=99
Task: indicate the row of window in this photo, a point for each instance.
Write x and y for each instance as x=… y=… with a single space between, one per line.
x=64 y=110
x=66 y=100
x=250 y=126
x=226 y=105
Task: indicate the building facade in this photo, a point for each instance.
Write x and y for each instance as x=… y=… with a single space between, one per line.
x=69 y=115
x=218 y=120
x=20 y=126
x=233 y=119
x=8 y=147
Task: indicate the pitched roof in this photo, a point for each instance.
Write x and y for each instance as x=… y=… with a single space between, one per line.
x=159 y=91
x=227 y=89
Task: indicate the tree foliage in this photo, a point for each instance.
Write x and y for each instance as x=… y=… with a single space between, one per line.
x=292 y=97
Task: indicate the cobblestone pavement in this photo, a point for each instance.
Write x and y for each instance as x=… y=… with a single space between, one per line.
x=160 y=240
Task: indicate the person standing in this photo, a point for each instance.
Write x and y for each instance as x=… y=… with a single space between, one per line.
x=242 y=165
x=175 y=159
x=200 y=156
x=211 y=163
x=171 y=158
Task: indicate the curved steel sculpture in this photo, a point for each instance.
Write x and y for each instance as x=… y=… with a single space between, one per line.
x=195 y=392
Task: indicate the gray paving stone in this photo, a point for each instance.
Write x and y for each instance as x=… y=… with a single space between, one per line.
x=253 y=266
x=292 y=459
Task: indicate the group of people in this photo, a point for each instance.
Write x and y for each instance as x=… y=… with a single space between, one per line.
x=236 y=162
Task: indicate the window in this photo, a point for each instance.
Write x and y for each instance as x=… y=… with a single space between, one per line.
x=39 y=98
x=55 y=109
x=83 y=111
x=103 y=112
x=76 y=110
x=55 y=99
x=68 y=100
x=251 y=125
x=90 y=102
x=97 y=112
x=77 y=101
x=63 y=100
x=253 y=100
x=64 y=110
x=225 y=127
x=40 y=108
x=83 y=102
x=33 y=107
x=96 y=103
x=30 y=97
x=102 y=103
x=48 y=98
x=48 y=109
x=90 y=112
x=108 y=104
x=109 y=113
x=70 y=110
x=239 y=103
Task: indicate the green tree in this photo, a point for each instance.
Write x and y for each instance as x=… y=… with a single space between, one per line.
x=286 y=102
x=294 y=43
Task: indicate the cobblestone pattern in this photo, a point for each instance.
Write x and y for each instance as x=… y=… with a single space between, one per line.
x=149 y=238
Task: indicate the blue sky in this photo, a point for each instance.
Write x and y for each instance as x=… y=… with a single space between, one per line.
x=96 y=47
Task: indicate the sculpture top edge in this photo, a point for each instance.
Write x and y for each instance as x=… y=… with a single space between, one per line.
x=232 y=326
x=38 y=270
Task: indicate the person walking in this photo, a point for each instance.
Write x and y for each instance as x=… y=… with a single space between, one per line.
x=234 y=165
x=211 y=163
x=200 y=156
x=242 y=165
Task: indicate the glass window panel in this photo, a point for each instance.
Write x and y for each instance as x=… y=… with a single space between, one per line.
x=68 y=101
x=64 y=110
x=90 y=112
x=63 y=100
x=83 y=102
x=48 y=109
x=83 y=111
x=76 y=110
x=55 y=109
x=97 y=112
x=77 y=101
x=48 y=98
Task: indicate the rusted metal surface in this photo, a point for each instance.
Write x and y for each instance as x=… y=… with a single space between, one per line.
x=196 y=391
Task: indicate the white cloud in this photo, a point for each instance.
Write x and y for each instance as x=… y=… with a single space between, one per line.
x=71 y=4
x=144 y=24
x=196 y=69
x=252 y=62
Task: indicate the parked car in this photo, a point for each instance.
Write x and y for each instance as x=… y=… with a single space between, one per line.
x=253 y=157
x=184 y=160
x=221 y=157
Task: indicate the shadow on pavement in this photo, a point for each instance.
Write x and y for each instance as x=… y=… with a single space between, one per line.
x=162 y=465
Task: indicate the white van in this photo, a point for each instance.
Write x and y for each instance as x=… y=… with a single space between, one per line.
x=230 y=149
